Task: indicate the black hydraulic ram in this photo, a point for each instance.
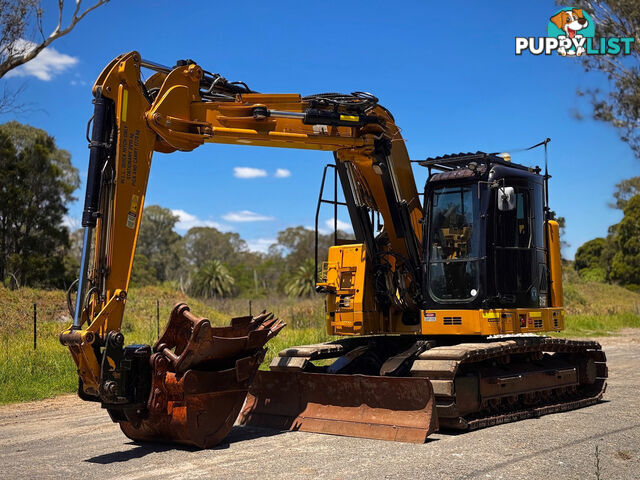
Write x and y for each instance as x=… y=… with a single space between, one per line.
x=313 y=116
x=99 y=150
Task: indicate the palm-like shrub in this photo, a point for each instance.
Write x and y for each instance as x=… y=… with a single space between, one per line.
x=212 y=280
x=302 y=282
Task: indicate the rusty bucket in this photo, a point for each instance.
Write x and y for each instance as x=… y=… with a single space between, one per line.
x=385 y=408
x=201 y=375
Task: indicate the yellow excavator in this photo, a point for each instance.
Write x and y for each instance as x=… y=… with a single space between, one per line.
x=441 y=301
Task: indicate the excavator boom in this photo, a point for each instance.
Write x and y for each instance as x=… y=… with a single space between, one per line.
x=149 y=390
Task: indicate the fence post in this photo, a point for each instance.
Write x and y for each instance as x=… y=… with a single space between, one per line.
x=249 y=307
x=157 y=318
x=35 y=323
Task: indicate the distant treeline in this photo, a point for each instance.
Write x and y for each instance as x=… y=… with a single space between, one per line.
x=37 y=182
x=616 y=257
x=206 y=262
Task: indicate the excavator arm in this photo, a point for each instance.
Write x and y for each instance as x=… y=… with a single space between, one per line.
x=181 y=108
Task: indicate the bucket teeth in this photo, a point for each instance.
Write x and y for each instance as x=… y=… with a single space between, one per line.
x=190 y=341
x=200 y=377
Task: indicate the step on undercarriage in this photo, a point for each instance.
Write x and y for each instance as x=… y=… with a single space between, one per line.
x=475 y=385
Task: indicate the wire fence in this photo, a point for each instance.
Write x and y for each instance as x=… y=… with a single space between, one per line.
x=32 y=323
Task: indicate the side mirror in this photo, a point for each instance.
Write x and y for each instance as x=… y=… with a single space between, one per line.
x=506 y=199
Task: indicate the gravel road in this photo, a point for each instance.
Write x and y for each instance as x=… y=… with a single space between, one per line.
x=65 y=437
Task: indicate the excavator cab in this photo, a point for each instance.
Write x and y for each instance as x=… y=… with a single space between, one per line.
x=484 y=241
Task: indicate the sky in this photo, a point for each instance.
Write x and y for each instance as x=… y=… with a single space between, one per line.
x=447 y=71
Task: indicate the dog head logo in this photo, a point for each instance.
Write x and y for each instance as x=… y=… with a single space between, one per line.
x=571 y=26
x=570 y=21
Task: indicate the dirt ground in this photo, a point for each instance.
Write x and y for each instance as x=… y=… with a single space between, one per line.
x=65 y=437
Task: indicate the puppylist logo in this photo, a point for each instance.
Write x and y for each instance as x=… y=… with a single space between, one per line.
x=571 y=32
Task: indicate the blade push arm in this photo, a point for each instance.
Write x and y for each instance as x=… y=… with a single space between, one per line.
x=180 y=109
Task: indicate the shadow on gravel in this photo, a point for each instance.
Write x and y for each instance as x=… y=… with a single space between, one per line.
x=237 y=434
x=141 y=450
x=240 y=434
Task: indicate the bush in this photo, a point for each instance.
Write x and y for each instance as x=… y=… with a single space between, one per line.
x=212 y=280
x=593 y=274
x=589 y=254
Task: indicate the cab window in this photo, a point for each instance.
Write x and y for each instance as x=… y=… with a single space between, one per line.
x=453 y=267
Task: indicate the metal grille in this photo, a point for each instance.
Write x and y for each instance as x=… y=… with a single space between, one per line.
x=452 y=320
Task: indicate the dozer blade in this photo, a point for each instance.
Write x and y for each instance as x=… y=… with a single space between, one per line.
x=200 y=378
x=384 y=408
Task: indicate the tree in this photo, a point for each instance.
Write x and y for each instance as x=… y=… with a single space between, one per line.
x=621 y=105
x=302 y=281
x=590 y=253
x=142 y=272
x=626 y=189
x=625 y=267
x=202 y=244
x=253 y=274
x=17 y=17
x=37 y=180
x=297 y=244
x=158 y=241
x=589 y=260
x=212 y=280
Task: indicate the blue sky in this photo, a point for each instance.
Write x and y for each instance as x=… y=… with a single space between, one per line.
x=447 y=72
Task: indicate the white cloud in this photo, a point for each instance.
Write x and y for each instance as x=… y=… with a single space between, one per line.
x=187 y=221
x=71 y=223
x=282 y=173
x=248 y=172
x=343 y=226
x=260 y=244
x=245 y=216
x=48 y=63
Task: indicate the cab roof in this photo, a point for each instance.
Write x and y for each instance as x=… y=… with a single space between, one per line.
x=454 y=161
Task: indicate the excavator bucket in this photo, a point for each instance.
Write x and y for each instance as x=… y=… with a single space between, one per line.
x=200 y=377
x=378 y=407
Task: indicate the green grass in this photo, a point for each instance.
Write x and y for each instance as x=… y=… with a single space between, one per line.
x=583 y=297
x=598 y=325
x=290 y=337
x=26 y=374
x=593 y=309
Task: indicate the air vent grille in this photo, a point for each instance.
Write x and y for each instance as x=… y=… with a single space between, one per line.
x=452 y=320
